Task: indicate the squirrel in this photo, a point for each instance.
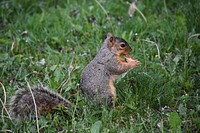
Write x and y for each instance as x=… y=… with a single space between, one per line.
x=97 y=81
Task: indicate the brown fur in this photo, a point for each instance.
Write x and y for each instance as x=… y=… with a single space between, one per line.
x=22 y=105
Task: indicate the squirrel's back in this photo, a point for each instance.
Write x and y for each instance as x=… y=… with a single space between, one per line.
x=22 y=103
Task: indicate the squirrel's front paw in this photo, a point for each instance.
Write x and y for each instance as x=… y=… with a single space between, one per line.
x=132 y=62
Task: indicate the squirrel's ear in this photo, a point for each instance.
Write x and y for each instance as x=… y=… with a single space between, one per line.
x=110 y=40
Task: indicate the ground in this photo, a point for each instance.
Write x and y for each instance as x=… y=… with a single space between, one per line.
x=49 y=41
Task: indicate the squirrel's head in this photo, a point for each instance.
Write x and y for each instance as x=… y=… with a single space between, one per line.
x=117 y=45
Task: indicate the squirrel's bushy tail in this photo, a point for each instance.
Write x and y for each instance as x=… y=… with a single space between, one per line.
x=22 y=104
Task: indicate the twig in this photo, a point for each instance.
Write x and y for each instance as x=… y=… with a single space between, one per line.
x=6 y=130
x=141 y=14
x=5 y=110
x=70 y=69
x=33 y=72
x=194 y=35
x=147 y=75
x=155 y=44
x=105 y=13
x=3 y=103
x=36 y=113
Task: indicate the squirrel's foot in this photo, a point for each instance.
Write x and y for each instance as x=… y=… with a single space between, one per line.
x=132 y=61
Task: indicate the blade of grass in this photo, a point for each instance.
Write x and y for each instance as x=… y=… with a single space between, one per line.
x=36 y=113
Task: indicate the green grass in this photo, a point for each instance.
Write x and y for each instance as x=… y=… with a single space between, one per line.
x=162 y=95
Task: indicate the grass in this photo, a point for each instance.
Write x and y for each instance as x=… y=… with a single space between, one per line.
x=39 y=39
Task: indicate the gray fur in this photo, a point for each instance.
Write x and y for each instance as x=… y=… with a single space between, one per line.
x=22 y=105
x=97 y=75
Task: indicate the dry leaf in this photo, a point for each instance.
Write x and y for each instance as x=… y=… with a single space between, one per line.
x=132 y=9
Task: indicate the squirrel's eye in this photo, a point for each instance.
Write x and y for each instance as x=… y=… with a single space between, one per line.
x=122 y=45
